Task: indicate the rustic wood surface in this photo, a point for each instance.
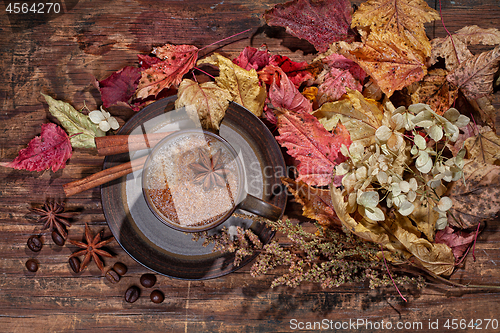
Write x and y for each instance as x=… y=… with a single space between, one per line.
x=61 y=56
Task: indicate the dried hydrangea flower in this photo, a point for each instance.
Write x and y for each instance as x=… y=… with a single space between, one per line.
x=104 y=119
x=369 y=200
x=390 y=133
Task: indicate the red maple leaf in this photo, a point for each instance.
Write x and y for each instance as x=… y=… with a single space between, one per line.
x=119 y=87
x=335 y=60
x=298 y=72
x=251 y=57
x=316 y=149
x=320 y=22
x=177 y=60
x=335 y=83
x=284 y=95
x=49 y=150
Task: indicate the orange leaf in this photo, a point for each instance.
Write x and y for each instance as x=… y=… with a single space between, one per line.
x=388 y=60
x=316 y=202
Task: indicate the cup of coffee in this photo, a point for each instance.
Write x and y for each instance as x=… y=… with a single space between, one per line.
x=193 y=180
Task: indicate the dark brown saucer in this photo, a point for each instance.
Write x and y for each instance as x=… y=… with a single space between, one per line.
x=171 y=252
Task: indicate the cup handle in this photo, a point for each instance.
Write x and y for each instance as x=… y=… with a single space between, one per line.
x=257 y=206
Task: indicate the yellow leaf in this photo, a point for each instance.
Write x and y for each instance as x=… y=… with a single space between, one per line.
x=405 y=18
x=243 y=85
x=437 y=258
x=398 y=235
x=360 y=116
x=204 y=102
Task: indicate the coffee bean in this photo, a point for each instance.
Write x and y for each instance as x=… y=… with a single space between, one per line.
x=58 y=239
x=35 y=243
x=132 y=294
x=32 y=265
x=74 y=263
x=112 y=276
x=157 y=296
x=120 y=268
x=148 y=280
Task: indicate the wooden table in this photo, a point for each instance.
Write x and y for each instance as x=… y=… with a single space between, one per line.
x=61 y=56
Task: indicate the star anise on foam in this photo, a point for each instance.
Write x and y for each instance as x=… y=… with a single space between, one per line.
x=92 y=250
x=53 y=216
x=209 y=170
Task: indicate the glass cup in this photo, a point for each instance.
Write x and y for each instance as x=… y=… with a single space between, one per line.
x=193 y=181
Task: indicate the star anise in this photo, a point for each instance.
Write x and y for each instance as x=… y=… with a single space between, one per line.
x=92 y=249
x=209 y=170
x=53 y=216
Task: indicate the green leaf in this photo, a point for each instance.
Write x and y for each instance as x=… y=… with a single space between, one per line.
x=81 y=130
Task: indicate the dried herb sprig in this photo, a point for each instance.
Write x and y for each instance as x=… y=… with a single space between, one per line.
x=328 y=257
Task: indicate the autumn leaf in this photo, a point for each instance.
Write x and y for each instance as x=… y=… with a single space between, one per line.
x=243 y=85
x=360 y=116
x=338 y=61
x=404 y=18
x=334 y=83
x=398 y=236
x=457 y=240
x=81 y=129
x=484 y=147
x=119 y=87
x=204 y=102
x=177 y=61
x=435 y=91
x=387 y=59
x=454 y=50
x=320 y=22
x=474 y=77
x=437 y=258
x=283 y=93
x=316 y=202
x=453 y=53
x=298 y=72
x=316 y=149
x=49 y=150
x=251 y=57
x=477 y=198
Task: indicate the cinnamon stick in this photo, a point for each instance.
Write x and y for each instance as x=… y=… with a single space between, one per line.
x=117 y=144
x=103 y=176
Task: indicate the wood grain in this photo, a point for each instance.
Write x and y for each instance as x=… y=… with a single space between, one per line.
x=62 y=56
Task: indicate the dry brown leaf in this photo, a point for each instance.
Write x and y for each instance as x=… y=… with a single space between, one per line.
x=477 y=200
x=388 y=60
x=405 y=18
x=435 y=91
x=456 y=51
x=204 y=102
x=474 y=35
x=453 y=53
x=316 y=202
x=360 y=116
x=243 y=85
x=484 y=147
x=474 y=77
